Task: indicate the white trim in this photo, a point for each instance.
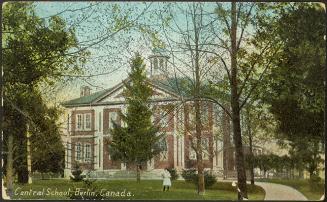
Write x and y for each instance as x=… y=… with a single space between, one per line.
x=100 y=121
x=82 y=136
x=89 y=159
x=78 y=144
x=79 y=122
x=85 y=123
x=183 y=151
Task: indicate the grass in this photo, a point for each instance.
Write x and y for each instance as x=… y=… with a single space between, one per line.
x=147 y=189
x=302 y=185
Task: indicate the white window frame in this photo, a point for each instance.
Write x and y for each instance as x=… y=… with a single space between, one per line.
x=79 y=122
x=164 y=152
x=85 y=121
x=82 y=122
x=87 y=152
x=78 y=151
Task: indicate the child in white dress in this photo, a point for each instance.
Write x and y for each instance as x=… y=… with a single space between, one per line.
x=166 y=179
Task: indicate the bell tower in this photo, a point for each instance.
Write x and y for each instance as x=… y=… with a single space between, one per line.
x=158 y=62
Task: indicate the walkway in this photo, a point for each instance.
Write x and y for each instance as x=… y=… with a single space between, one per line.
x=280 y=192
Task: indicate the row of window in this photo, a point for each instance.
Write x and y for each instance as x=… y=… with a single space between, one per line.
x=83 y=121
x=83 y=152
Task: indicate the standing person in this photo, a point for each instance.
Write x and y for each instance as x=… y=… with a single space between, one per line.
x=166 y=179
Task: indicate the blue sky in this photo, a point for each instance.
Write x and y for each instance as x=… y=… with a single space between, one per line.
x=111 y=54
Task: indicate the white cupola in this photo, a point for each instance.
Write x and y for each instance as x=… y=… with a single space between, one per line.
x=158 y=62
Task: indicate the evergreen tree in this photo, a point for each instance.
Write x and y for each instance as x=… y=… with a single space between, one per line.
x=137 y=140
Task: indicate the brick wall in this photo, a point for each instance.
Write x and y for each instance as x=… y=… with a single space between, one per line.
x=73 y=122
x=108 y=163
x=84 y=165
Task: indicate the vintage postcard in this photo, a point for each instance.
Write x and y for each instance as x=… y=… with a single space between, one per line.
x=163 y=100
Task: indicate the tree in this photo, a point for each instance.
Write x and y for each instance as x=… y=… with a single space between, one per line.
x=138 y=141
x=295 y=86
x=35 y=53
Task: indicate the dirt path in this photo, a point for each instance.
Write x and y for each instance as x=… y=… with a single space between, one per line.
x=281 y=192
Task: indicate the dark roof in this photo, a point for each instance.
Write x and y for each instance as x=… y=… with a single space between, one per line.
x=87 y=99
x=182 y=86
x=179 y=86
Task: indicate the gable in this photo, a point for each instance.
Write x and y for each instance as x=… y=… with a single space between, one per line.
x=117 y=95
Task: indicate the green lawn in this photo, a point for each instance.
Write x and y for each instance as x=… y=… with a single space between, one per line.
x=301 y=185
x=147 y=189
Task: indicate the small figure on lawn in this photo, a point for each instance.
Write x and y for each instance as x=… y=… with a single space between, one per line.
x=166 y=179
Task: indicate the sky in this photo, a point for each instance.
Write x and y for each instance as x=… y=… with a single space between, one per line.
x=109 y=59
x=92 y=20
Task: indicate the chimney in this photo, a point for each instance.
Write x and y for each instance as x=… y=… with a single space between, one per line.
x=85 y=91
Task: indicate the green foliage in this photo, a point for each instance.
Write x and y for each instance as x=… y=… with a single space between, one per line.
x=295 y=86
x=137 y=141
x=173 y=173
x=190 y=175
x=35 y=53
x=77 y=174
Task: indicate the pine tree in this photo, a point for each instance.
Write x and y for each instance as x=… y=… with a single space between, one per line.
x=137 y=140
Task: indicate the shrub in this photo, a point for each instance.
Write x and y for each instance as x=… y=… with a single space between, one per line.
x=190 y=175
x=314 y=181
x=173 y=173
x=77 y=174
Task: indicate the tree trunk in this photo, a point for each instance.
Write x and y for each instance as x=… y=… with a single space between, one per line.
x=227 y=154
x=250 y=147
x=198 y=123
x=240 y=164
x=138 y=173
x=29 y=161
x=199 y=148
x=9 y=167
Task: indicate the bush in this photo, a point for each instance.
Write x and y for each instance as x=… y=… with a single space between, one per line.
x=77 y=174
x=314 y=181
x=190 y=175
x=173 y=173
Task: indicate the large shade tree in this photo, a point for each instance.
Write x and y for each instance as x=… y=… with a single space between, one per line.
x=35 y=52
x=295 y=86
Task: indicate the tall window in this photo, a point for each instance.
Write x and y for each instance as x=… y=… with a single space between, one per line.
x=78 y=151
x=87 y=152
x=113 y=116
x=164 y=150
x=79 y=121
x=83 y=121
x=87 y=121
